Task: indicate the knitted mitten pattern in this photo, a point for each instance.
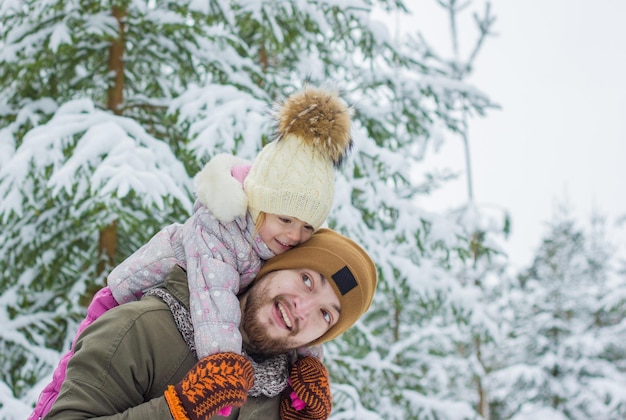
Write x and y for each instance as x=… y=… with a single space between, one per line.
x=215 y=382
x=309 y=380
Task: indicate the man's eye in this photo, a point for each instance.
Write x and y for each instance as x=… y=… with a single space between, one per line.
x=326 y=316
x=307 y=281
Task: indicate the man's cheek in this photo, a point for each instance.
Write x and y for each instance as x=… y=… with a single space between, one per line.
x=268 y=326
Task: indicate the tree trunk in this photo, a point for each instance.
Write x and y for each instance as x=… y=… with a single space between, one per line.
x=107 y=245
x=116 y=63
x=483 y=400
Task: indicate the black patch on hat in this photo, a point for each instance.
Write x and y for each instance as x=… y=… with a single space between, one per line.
x=344 y=280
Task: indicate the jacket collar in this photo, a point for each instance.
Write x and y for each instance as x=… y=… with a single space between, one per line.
x=176 y=283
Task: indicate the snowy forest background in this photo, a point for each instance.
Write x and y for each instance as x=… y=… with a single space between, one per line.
x=109 y=108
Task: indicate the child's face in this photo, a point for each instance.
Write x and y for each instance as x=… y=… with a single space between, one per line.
x=281 y=233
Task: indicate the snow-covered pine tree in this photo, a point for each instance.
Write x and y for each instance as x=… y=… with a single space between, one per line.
x=562 y=357
x=108 y=109
x=607 y=375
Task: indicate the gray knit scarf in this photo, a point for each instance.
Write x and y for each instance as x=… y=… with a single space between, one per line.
x=270 y=374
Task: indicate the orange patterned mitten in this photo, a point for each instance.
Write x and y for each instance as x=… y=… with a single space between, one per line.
x=312 y=399
x=217 y=381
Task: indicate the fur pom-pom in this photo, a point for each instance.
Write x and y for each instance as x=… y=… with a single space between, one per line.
x=319 y=117
x=219 y=191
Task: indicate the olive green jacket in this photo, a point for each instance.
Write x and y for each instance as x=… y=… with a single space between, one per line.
x=125 y=360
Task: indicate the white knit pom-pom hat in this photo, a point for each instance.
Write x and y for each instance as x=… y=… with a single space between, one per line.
x=294 y=175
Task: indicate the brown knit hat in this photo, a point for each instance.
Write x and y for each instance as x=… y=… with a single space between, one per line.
x=294 y=175
x=345 y=265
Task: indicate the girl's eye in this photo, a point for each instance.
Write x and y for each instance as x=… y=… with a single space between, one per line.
x=326 y=316
x=309 y=228
x=285 y=220
x=307 y=281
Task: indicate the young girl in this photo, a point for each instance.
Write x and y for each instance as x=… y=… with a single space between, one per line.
x=287 y=195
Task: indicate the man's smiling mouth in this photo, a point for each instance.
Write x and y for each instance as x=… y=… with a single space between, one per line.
x=284 y=315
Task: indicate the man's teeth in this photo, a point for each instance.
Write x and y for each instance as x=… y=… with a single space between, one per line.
x=284 y=314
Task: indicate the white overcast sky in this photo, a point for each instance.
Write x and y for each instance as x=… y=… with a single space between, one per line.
x=557 y=69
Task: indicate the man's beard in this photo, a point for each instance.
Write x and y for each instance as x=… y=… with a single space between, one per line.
x=256 y=332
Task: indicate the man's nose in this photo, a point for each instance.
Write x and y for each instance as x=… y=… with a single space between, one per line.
x=304 y=305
